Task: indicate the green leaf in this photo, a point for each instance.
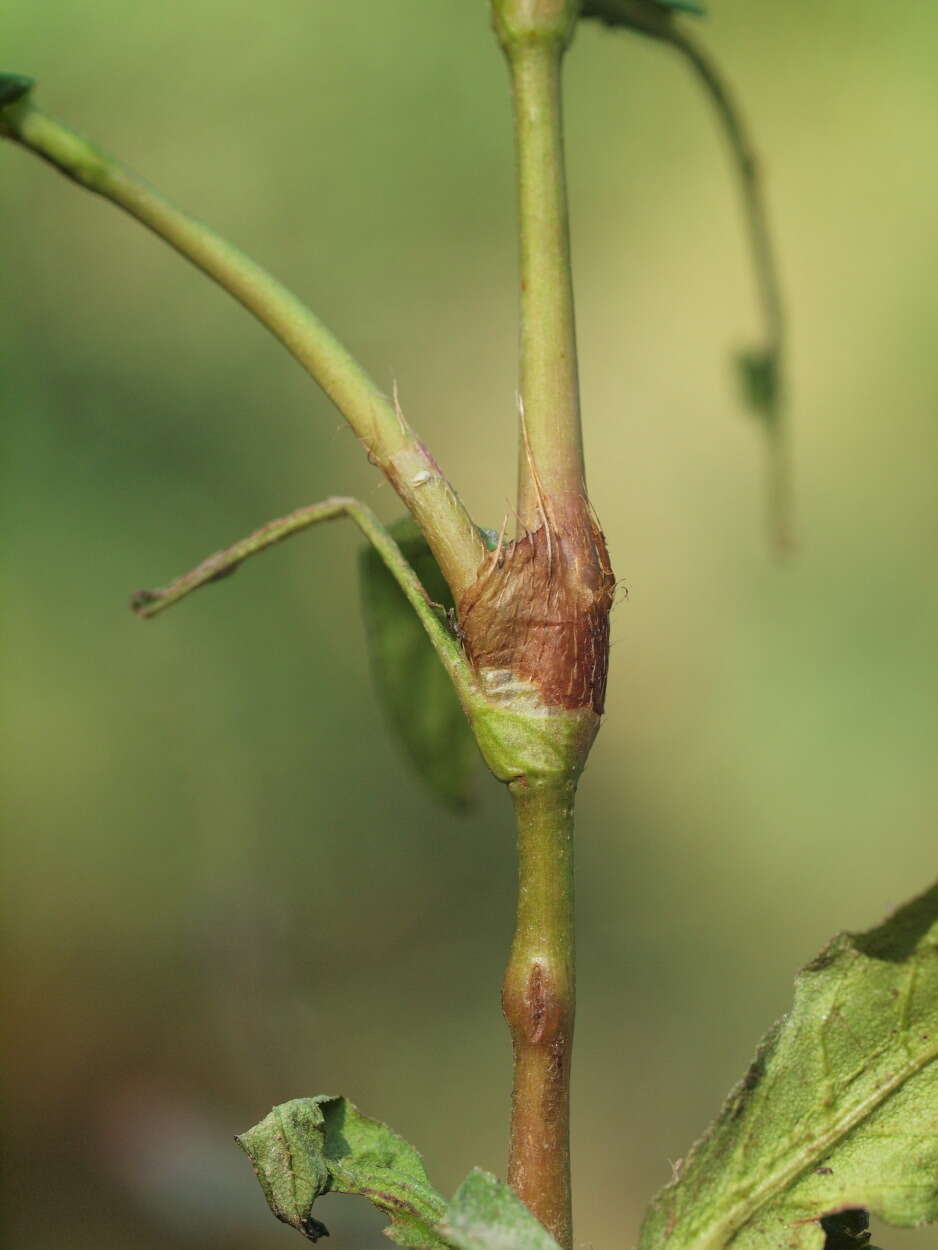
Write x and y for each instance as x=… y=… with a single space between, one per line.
x=838 y=1111
x=413 y=687
x=486 y=1215
x=310 y=1146
x=13 y=87
x=758 y=376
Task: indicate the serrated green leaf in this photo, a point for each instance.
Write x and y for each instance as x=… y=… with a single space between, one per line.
x=758 y=376
x=413 y=687
x=309 y=1146
x=839 y=1109
x=486 y=1215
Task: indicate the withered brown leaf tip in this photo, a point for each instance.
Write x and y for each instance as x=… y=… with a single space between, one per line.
x=539 y=608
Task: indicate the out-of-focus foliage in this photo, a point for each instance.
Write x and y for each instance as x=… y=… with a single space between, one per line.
x=211 y=901
x=419 y=700
x=647 y=16
x=13 y=87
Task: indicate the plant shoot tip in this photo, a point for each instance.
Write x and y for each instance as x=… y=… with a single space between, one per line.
x=13 y=87
x=141 y=602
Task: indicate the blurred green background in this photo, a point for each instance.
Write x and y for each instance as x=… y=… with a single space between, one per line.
x=222 y=887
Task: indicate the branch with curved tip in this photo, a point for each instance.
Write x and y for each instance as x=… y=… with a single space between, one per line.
x=378 y=422
x=148 y=603
x=763 y=369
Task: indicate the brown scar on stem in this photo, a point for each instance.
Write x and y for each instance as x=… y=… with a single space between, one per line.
x=538 y=1013
x=536 y=1004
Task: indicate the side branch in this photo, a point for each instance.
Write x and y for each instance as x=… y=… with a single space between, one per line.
x=148 y=603
x=763 y=369
x=746 y=164
x=386 y=436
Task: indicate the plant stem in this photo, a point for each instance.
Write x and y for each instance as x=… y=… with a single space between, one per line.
x=765 y=269
x=378 y=422
x=538 y=998
x=763 y=370
x=551 y=437
x=539 y=990
x=746 y=164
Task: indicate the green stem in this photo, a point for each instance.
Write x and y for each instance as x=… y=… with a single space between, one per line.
x=378 y=422
x=765 y=269
x=539 y=1003
x=551 y=446
x=746 y=164
x=539 y=991
x=148 y=603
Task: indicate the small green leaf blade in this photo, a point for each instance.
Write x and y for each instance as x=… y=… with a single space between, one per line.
x=758 y=375
x=13 y=87
x=413 y=687
x=486 y=1215
x=310 y=1146
x=647 y=16
x=838 y=1111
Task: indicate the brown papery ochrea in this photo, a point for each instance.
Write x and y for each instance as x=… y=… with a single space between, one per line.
x=539 y=609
